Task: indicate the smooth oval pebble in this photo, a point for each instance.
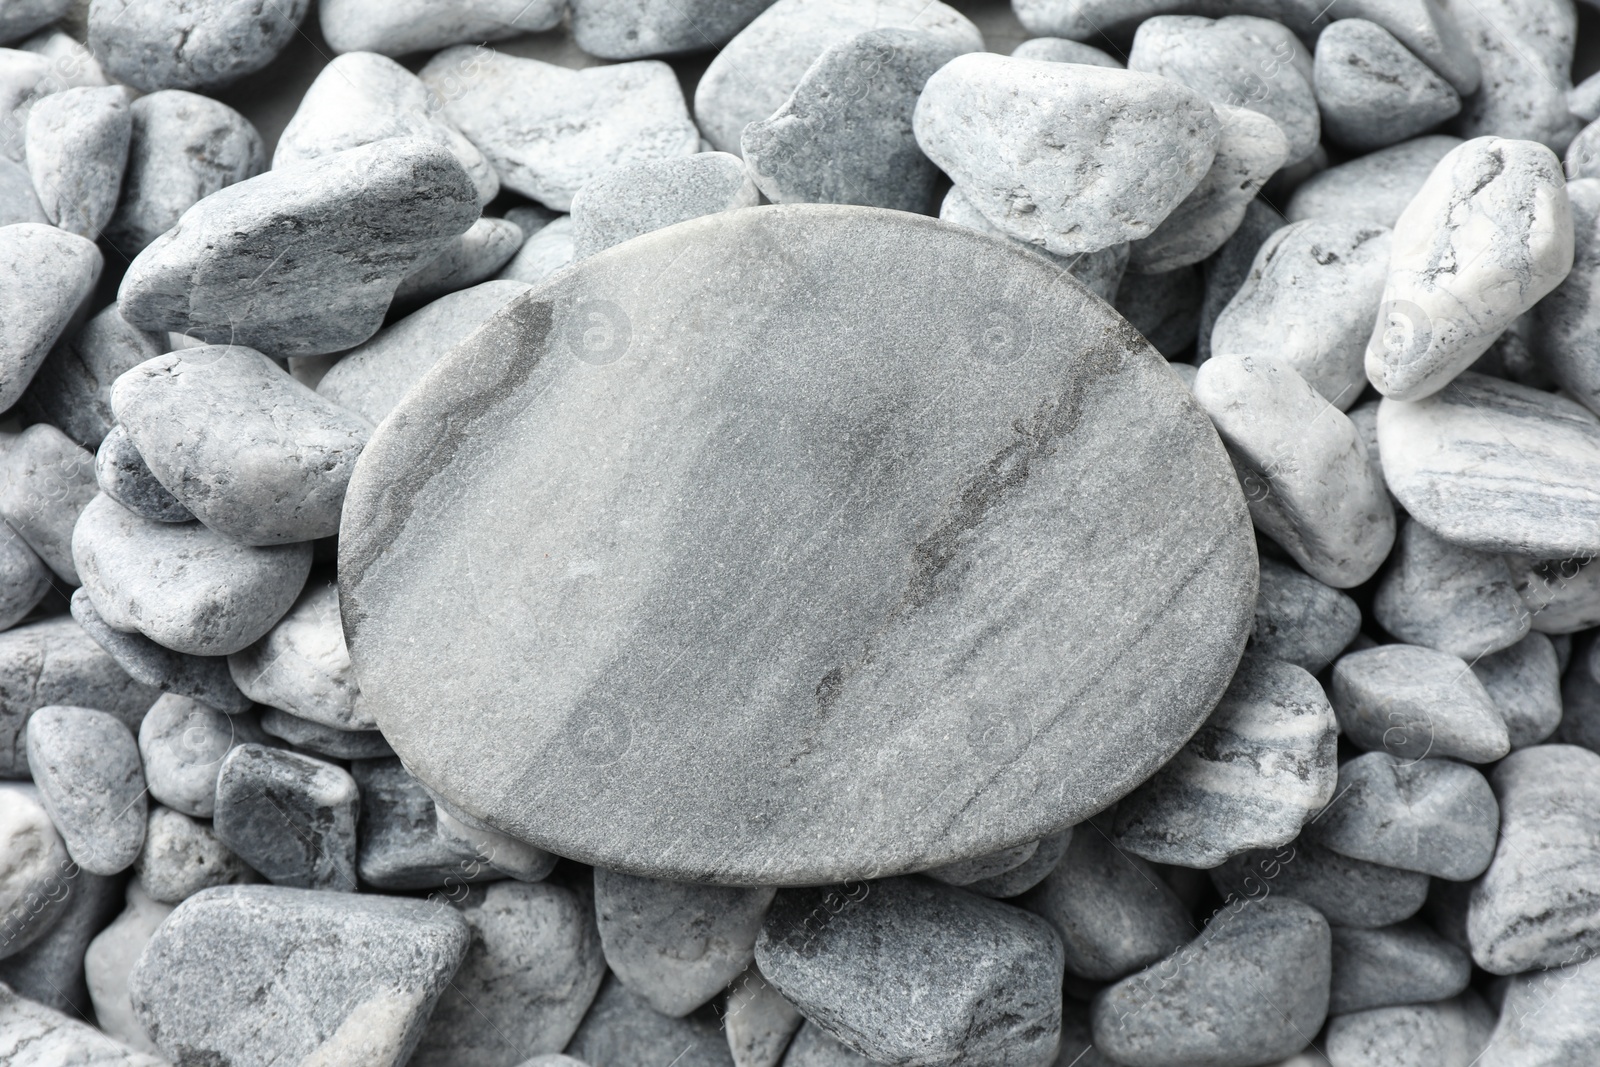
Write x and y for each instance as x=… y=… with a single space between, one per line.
x=1524 y=681
x=1403 y=964
x=870 y=602
x=1448 y=597
x=1350 y=892
x=302 y=666
x=1414 y=702
x=1299 y=620
x=86 y=765
x=45 y=276
x=1372 y=91
x=399 y=27
x=183 y=743
x=1374 y=188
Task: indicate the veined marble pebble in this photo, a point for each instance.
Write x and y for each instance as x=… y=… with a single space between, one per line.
x=86 y=765
x=289 y=816
x=637 y=198
x=1372 y=91
x=173 y=44
x=45 y=276
x=399 y=844
x=1545 y=1018
x=1450 y=598
x=1374 y=188
x=1413 y=702
x=77 y=144
x=400 y=27
x=34 y=1030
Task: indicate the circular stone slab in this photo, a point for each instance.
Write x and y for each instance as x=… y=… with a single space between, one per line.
x=795 y=544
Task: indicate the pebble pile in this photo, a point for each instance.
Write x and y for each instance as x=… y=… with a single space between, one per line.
x=811 y=542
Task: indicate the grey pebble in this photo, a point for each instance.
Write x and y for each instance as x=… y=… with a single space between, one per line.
x=1581 y=159
x=109 y=960
x=72 y=389
x=1403 y=964
x=302 y=665
x=400 y=845
x=1579 y=722
x=1350 y=892
x=33 y=1033
x=174 y=44
x=1299 y=620
x=470 y=259
x=1062 y=50
x=322 y=740
x=36 y=882
x=124 y=476
x=621 y=1030
x=1450 y=1033
x=46 y=274
x=86 y=766
x=1102 y=272
x=1413 y=702
x=1372 y=91
x=629 y=29
x=46 y=481
x=18 y=201
x=51 y=970
x=637 y=198
x=1447 y=597
x=1227 y=269
x=182 y=856
x=250 y=975
x=204 y=678
x=77 y=150
x=183 y=585
x=1524 y=681
x=183 y=743
x=759 y=1022
x=400 y=27
x=1584 y=99
x=506 y=854
x=980 y=868
x=1023 y=877
x=289 y=816
x=21 y=17
x=1374 y=188
x=1547 y=1018
x=1525 y=49
x=542 y=254
x=358 y=222
x=1164 y=308
x=71 y=62
x=24 y=578
x=1566 y=323
x=1563 y=595
x=674 y=944
x=813 y=1047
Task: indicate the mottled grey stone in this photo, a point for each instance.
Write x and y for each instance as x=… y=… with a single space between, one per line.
x=182 y=584
x=468 y=260
x=251 y=975
x=513 y=858
x=323 y=740
x=1524 y=681
x=21 y=17
x=1164 y=308
x=1488 y=464
x=1023 y=877
x=1579 y=722
x=1302 y=464
x=1566 y=324
x=183 y=856
x=184 y=148
x=759 y=1022
x=1402 y=964
x=866 y=962
x=204 y=678
x=33 y=1033
x=18 y=201
x=541 y=255
x=1101 y=271
x=1538 y=905
x=621 y=1030
x=24 y=79
x=1262 y=763
x=1563 y=595
x=530 y=973
x=72 y=389
x=45 y=484
x=1486 y=237
x=400 y=843
x=1062 y=50
x=1204 y=1005
x=36 y=882
x=1372 y=91
x=1413 y=702
x=372 y=377
x=357 y=222
x=77 y=143
x=291 y=817
x=124 y=476
x=86 y=766
x=629 y=29
x=1525 y=50
x=183 y=743
x=1012 y=134
x=1374 y=188
x=1309 y=300
x=1350 y=892
x=399 y=27
x=302 y=665
x=109 y=960
x=674 y=944
x=1043 y=755
x=175 y=44
x=24 y=578
x=45 y=276
x=980 y=868
x=1226 y=271
x=50 y=971
x=1451 y=1033
x=1112 y=911
x=1547 y=1018
x=1447 y=597
x=1299 y=620
x=1584 y=99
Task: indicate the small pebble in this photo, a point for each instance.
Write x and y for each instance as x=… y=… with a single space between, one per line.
x=1547 y=1017
x=1299 y=620
x=109 y=961
x=629 y=29
x=1350 y=892
x=123 y=475
x=291 y=817
x=182 y=743
x=1101 y=272
x=1448 y=597
x=204 y=678
x=1450 y=1033
x=72 y=389
x=77 y=150
x=302 y=665
x=182 y=856
x=1562 y=595
x=400 y=27
x=759 y=1022
x=1226 y=271
x=1403 y=964
x=46 y=481
x=620 y=1028
x=86 y=765
x=980 y=868
x=468 y=260
x=24 y=578
x=45 y=276
x=36 y=881
x=1413 y=702
x=1524 y=49
x=1524 y=681
x=1061 y=50
x=638 y=198
x=1374 y=188
x=542 y=254
x=1372 y=91
x=51 y=970
x=322 y=740
x=33 y=1033
x=173 y=44
x=400 y=844
x=506 y=854
x=1032 y=871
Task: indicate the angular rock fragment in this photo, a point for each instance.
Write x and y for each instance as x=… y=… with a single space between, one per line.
x=202 y=678
x=173 y=44
x=1374 y=188
x=1450 y=1033
x=182 y=856
x=1372 y=91
x=1350 y=892
x=1299 y=620
x=1448 y=597
x=109 y=961
x=1413 y=702
x=124 y=476
x=86 y=765
x=291 y=817
x=1403 y=964
x=77 y=150
x=1524 y=681
x=47 y=482
x=45 y=276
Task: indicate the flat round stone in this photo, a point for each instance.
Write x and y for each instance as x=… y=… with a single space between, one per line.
x=793 y=544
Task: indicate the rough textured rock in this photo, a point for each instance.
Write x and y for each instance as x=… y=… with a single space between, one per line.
x=629 y=29
x=1403 y=964
x=125 y=477
x=77 y=144
x=45 y=275
x=621 y=1028
x=302 y=665
x=1525 y=50
x=72 y=389
x=1451 y=1033
x=46 y=481
x=33 y=1033
x=470 y=259
x=51 y=970
x=1299 y=620
x=174 y=44
x=36 y=883
x=109 y=961
x=400 y=845
x=1413 y=702
x=1547 y=1018
x=759 y=1022
x=86 y=766
x=1374 y=188
x=1350 y=892
x=616 y=747
x=182 y=743
x=291 y=817
x=1372 y=91
x=203 y=678
x=183 y=856
x=1524 y=681
x=1448 y=597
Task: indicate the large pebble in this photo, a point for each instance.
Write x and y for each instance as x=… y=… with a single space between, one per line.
x=182 y=856
x=628 y=29
x=472 y=258
x=175 y=44
x=45 y=276
x=399 y=27
x=1374 y=188
x=1299 y=620
x=620 y=1028
x=36 y=881
x=72 y=389
x=51 y=970
x=1524 y=681
x=1448 y=597
x=1525 y=50
x=46 y=481
x=86 y=765
x=1547 y=1018
x=400 y=845
x=1372 y=91
x=204 y=678
x=125 y=477
x=291 y=817
x=760 y=1022
x=31 y=1033
x=1350 y=892
x=1403 y=964
x=77 y=149
x=182 y=743
x=109 y=961
x=1450 y=1033
x=1413 y=702
x=302 y=665
x=637 y=198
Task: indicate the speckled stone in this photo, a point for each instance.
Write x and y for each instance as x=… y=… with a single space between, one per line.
x=1299 y=620
x=36 y=883
x=72 y=389
x=77 y=144
x=302 y=665
x=174 y=44
x=46 y=482
x=183 y=856
x=1350 y=892
x=759 y=1022
x=45 y=276
x=289 y=816
x=1448 y=597
x=109 y=960
x=637 y=198
x=1226 y=271
x=468 y=260
x=1413 y=702
x=86 y=765
x=204 y=678
x=1374 y=188
x=629 y=29
x=124 y=476
x=1403 y=964
x=182 y=743
x=1525 y=51
x=1450 y=1033
x=621 y=1029
x=399 y=27
x=1524 y=681
x=1372 y=91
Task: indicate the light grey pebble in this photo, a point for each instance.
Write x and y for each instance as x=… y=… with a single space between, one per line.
x=357 y=221
x=50 y=971
x=813 y=1047
x=77 y=150
x=72 y=389
x=46 y=274
x=1309 y=300
x=1524 y=681
x=531 y=970
x=109 y=961
x=1563 y=595
x=86 y=765
x=1365 y=417
x=18 y=201
x=1204 y=1003
x=36 y=882
x=1566 y=324
x=1579 y=722
x=249 y=975
x=45 y=484
x=979 y=868
x=1302 y=464
x=400 y=27
x=302 y=665
x=621 y=1029
x=542 y=254
x=21 y=17
x=1525 y=50
x=1299 y=620
x=1584 y=99
x=629 y=29
x=1487 y=463
x=844 y=135
x=182 y=856
x=1350 y=892
x=1255 y=771
x=1374 y=188
x=71 y=61
x=470 y=259
x=637 y=198
x=1447 y=597
x=863 y=961
x=1427 y=28
x=24 y=578
x=1547 y=1018
x=1413 y=702
x=54 y=661
x=33 y=1033
x=1373 y=92
x=184 y=148
x=204 y=678
x=1028 y=874
x=1428 y=815
x=183 y=585
x=1165 y=308
x=506 y=854
x=203 y=417
x=753 y=75
x=1581 y=159
x=1062 y=50
x=1403 y=964
x=1010 y=133
x=322 y=740
x=1487 y=236
x=400 y=843
x=1450 y=1033
x=1226 y=270
x=1113 y=913
x=1102 y=271
x=360 y=98
x=548 y=130
x=674 y=944
x=24 y=79
x=758 y=1020
x=183 y=743
x=371 y=378
x=174 y=44
x=1537 y=905
x=124 y=476
x=289 y=816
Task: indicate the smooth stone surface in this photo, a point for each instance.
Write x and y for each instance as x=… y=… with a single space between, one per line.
x=1372 y=91
x=33 y=1033
x=638 y=198
x=1566 y=324
x=1451 y=1033
x=472 y=258
x=628 y=29
x=36 y=881
x=980 y=868
x=291 y=817
x=531 y=970
x=1496 y=466
x=548 y=130
x=51 y=970
x=182 y=743
x=399 y=27
x=542 y=254
x=1203 y=1006
x=24 y=578
x=1013 y=134
x=124 y=476
x=1547 y=1018
x=1448 y=597
x=759 y=1022
x=182 y=584
x=72 y=389
x=45 y=276
x=184 y=148
x=302 y=665
x=203 y=678
x=1258 y=768
x=249 y=975
x=321 y=740
x=77 y=145
x=1413 y=702
x=46 y=481
x=21 y=17
x=1101 y=272
x=1309 y=300
x=1374 y=188
x=812 y=1047
x=865 y=962
x=1403 y=964
x=400 y=844
x=1486 y=237
x=1539 y=903
x=1226 y=271
x=86 y=765
x=1524 y=681
x=1350 y=892
x=174 y=44
x=1303 y=467
x=676 y=945
x=1299 y=620
x=1113 y=913
x=182 y=856
x=1164 y=308
x=1525 y=50
x=1580 y=699
x=357 y=221
x=1047 y=854
x=1062 y=50
x=109 y=961
x=621 y=1028
x=610 y=735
